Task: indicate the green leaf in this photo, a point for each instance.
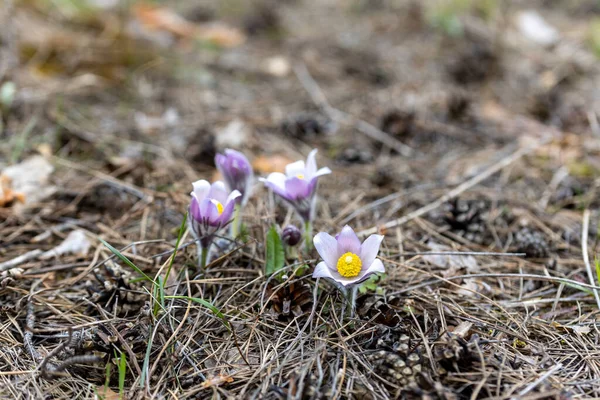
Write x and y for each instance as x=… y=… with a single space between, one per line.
x=371 y=284
x=122 y=374
x=127 y=261
x=206 y=304
x=146 y=358
x=597 y=261
x=275 y=257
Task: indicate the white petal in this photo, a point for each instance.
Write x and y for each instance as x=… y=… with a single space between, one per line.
x=218 y=185
x=321 y=172
x=322 y=271
x=233 y=195
x=326 y=245
x=276 y=178
x=201 y=189
x=218 y=191
x=294 y=169
x=311 y=164
x=376 y=266
x=370 y=248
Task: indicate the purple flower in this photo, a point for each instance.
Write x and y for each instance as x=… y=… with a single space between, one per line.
x=211 y=208
x=237 y=172
x=298 y=185
x=345 y=260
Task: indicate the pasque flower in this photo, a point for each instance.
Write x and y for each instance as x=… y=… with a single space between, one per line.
x=211 y=209
x=298 y=185
x=237 y=172
x=345 y=260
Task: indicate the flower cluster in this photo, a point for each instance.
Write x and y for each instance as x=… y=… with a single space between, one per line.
x=346 y=260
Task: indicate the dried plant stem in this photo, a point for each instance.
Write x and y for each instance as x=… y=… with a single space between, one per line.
x=30 y=255
x=584 y=249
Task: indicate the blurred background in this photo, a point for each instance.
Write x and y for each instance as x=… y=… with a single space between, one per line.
x=396 y=93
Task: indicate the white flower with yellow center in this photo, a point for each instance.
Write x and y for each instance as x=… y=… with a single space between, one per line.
x=345 y=260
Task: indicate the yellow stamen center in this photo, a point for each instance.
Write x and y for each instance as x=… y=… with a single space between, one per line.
x=219 y=206
x=349 y=265
x=300 y=176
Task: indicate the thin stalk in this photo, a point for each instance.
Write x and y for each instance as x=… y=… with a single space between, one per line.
x=308 y=236
x=353 y=292
x=204 y=250
x=234 y=230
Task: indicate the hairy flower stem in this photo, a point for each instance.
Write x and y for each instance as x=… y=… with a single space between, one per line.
x=291 y=252
x=236 y=223
x=203 y=252
x=308 y=236
x=353 y=292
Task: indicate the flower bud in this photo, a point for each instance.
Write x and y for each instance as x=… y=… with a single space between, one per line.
x=237 y=172
x=291 y=235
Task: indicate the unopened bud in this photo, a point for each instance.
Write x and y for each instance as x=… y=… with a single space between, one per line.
x=291 y=235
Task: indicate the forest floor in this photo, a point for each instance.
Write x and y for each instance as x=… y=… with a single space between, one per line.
x=456 y=126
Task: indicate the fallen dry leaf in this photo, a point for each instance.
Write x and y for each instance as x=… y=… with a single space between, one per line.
x=26 y=182
x=106 y=393
x=7 y=195
x=75 y=243
x=216 y=381
x=162 y=18
x=268 y=164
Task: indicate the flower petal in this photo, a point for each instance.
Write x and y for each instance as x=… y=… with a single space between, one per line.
x=276 y=182
x=275 y=179
x=195 y=209
x=297 y=188
x=347 y=241
x=295 y=169
x=311 y=164
x=376 y=266
x=201 y=189
x=227 y=213
x=220 y=162
x=321 y=172
x=322 y=271
x=205 y=208
x=370 y=248
x=326 y=246
x=232 y=196
x=218 y=191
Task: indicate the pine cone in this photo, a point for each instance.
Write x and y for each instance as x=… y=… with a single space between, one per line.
x=289 y=300
x=467 y=218
x=396 y=368
x=116 y=291
x=532 y=243
x=378 y=310
x=454 y=353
